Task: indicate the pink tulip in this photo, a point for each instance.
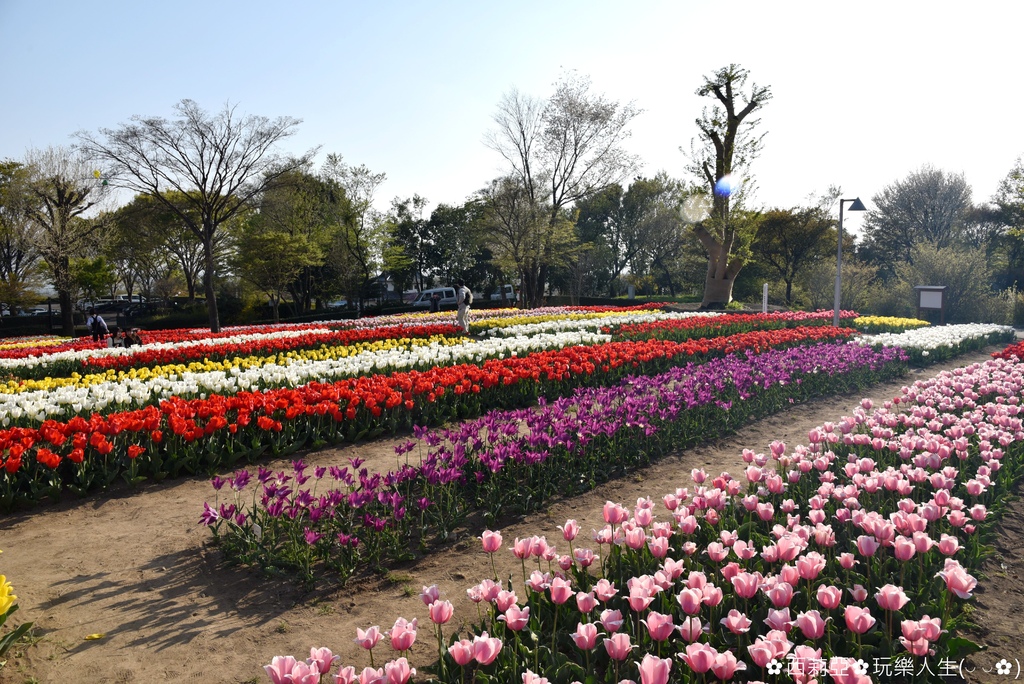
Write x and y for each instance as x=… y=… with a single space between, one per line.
x=441 y=612
x=866 y=545
x=491 y=541
x=847 y=561
x=761 y=652
x=369 y=638
x=403 y=634
x=736 y=622
x=323 y=658
x=504 y=599
x=304 y=673
x=780 y=642
x=280 y=669
x=612 y=620
x=521 y=548
x=586 y=602
x=531 y=678
x=904 y=549
x=462 y=652
x=700 y=657
x=636 y=538
x=957 y=580
x=346 y=675
x=858 y=593
x=486 y=648
x=690 y=600
x=539 y=581
x=779 y=620
x=605 y=590
x=858 y=619
x=829 y=597
x=781 y=594
x=891 y=597
x=690 y=630
x=659 y=626
x=585 y=636
x=585 y=557
x=658 y=547
x=570 y=529
x=811 y=624
x=614 y=513
x=746 y=584
x=516 y=618
x=844 y=671
x=932 y=628
x=371 y=675
x=561 y=590
x=717 y=551
x=712 y=595
x=726 y=665
x=922 y=542
x=919 y=647
x=430 y=594
x=618 y=646
x=948 y=545
x=398 y=671
x=654 y=670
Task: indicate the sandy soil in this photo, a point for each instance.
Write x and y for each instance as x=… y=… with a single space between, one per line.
x=137 y=568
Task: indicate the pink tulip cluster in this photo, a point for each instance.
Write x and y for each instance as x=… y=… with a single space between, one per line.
x=286 y=670
x=889 y=490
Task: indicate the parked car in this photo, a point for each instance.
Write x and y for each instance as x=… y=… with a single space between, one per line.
x=509 y=292
x=447 y=297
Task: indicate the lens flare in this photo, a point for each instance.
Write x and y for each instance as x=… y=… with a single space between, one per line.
x=695 y=208
x=728 y=185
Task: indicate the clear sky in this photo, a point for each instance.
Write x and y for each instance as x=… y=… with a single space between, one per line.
x=864 y=92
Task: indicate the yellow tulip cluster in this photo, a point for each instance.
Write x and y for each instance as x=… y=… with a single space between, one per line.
x=322 y=353
x=878 y=324
x=38 y=342
x=507 y=322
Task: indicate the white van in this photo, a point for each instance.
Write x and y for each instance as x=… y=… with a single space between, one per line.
x=447 y=295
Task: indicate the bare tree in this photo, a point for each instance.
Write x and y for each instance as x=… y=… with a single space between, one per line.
x=63 y=188
x=928 y=206
x=214 y=165
x=728 y=146
x=561 y=151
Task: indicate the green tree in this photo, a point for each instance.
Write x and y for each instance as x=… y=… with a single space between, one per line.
x=19 y=258
x=728 y=146
x=928 y=206
x=456 y=246
x=271 y=259
x=62 y=190
x=217 y=164
x=93 y=277
x=790 y=240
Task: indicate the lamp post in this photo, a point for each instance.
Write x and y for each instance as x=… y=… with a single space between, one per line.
x=856 y=206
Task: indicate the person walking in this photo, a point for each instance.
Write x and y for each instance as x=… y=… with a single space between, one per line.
x=97 y=326
x=463 y=298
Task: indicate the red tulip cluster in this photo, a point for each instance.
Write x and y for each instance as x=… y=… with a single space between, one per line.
x=218 y=430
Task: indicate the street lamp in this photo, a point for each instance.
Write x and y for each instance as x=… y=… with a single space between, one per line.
x=856 y=206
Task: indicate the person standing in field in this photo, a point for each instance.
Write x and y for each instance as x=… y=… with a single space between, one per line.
x=463 y=298
x=97 y=326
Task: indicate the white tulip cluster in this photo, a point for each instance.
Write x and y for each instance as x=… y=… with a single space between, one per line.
x=596 y=323
x=935 y=337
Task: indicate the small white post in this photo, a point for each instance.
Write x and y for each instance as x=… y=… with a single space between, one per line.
x=764 y=298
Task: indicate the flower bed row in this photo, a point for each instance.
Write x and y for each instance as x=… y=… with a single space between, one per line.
x=31 y=402
x=66 y=363
x=530 y=323
x=689 y=327
x=203 y=434
x=932 y=345
x=849 y=558
x=513 y=461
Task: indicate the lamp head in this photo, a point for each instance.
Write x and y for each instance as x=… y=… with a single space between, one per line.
x=857 y=206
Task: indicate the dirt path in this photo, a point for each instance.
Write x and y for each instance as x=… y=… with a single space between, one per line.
x=138 y=568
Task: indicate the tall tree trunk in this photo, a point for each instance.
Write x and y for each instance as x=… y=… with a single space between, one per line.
x=274 y=303
x=209 y=281
x=67 y=313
